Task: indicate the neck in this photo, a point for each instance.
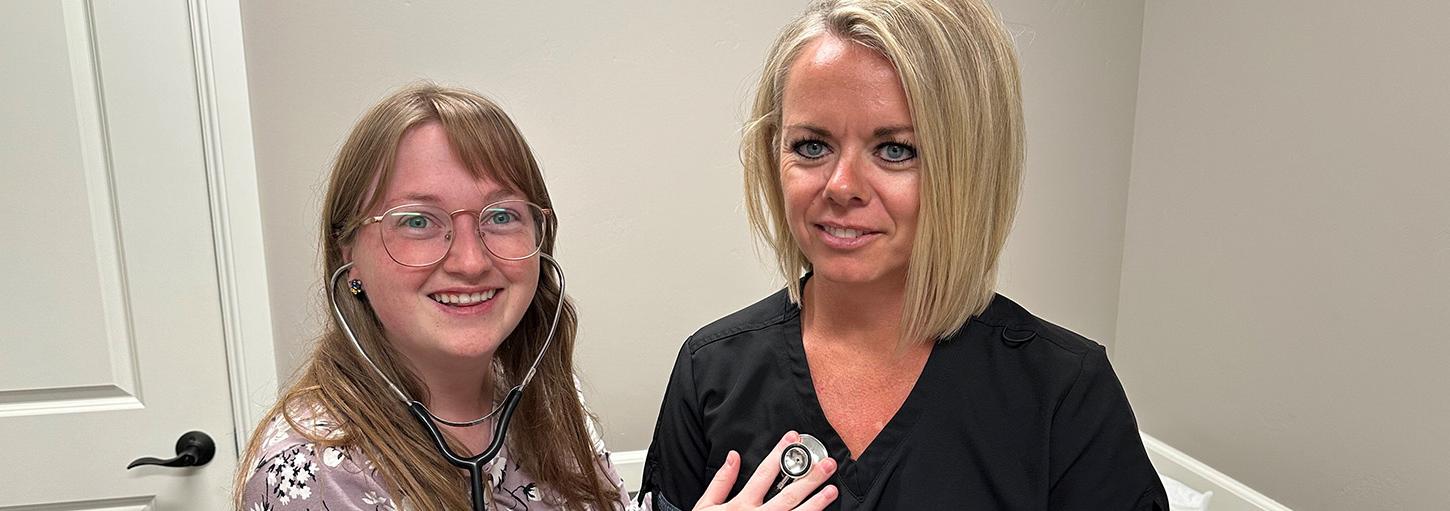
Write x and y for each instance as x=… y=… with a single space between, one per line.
x=867 y=315
x=459 y=394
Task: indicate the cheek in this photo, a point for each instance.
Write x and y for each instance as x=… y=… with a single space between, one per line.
x=798 y=188
x=387 y=284
x=367 y=265
x=394 y=297
x=390 y=289
x=904 y=202
x=524 y=274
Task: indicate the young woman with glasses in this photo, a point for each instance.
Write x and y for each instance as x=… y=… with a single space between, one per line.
x=434 y=226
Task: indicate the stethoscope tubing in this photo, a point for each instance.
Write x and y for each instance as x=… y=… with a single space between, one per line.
x=505 y=410
x=473 y=464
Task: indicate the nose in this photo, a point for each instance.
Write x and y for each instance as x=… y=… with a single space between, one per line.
x=844 y=185
x=467 y=256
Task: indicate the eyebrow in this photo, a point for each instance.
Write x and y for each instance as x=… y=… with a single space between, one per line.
x=499 y=194
x=882 y=132
x=815 y=130
x=887 y=131
x=417 y=197
x=492 y=197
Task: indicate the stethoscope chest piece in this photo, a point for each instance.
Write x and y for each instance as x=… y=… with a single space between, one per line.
x=798 y=458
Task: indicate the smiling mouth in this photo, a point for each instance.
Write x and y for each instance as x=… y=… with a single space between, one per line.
x=463 y=299
x=843 y=232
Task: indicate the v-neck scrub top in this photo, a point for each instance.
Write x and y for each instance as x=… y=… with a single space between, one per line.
x=1011 y=413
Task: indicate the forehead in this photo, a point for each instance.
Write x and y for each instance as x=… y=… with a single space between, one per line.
x=427 y=168
x=835 y=79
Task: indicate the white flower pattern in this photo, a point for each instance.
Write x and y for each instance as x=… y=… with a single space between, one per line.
x=496 y=468
x=333 y=456
x=381 y=502
x=290 y=473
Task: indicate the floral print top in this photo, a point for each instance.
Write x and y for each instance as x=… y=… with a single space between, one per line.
x=292 y=473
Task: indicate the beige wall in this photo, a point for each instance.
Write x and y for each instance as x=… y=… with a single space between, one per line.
x=1080 y=71
x=1286 y=274
x=634 y=113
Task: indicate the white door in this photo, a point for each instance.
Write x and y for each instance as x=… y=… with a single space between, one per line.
x=112 y=339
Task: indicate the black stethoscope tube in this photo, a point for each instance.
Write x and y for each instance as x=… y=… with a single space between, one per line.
x=474 y=464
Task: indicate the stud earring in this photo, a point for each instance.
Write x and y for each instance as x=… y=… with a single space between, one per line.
x=355 y=286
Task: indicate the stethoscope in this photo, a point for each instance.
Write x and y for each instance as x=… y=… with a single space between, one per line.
x=797 y=459
x=505 y=410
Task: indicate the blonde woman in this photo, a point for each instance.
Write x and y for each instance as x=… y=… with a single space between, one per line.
x=435 y=227
x=882 y=167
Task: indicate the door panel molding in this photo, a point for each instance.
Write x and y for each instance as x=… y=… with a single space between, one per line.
x=124 y=504
x=221 y=80
x=78 y=399
x=96 y=163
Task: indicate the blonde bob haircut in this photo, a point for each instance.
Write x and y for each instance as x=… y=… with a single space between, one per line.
x=958 y=68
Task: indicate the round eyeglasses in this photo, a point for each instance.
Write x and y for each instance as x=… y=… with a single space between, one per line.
x=420 y=235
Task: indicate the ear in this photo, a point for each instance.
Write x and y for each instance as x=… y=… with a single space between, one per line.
x=347 y=258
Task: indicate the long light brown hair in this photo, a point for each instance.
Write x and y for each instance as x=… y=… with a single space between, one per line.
x=959 y=71
x=549 y=434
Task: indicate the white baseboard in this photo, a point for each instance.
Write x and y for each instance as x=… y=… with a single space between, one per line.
x=630 y=465
x=1228 y=494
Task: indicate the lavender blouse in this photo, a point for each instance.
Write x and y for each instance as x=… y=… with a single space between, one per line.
x=292 y=473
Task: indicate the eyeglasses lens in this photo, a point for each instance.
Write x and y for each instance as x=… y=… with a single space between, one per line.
x=420 y=235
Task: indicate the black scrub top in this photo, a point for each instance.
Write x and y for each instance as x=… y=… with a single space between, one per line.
x=1012 y=412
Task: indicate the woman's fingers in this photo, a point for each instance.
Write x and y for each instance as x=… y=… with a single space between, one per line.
x=801 y=488
x=720 y=485
x=820 y=500
x=764 y=476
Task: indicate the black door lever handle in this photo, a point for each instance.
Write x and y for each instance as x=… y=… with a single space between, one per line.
x=193 y=449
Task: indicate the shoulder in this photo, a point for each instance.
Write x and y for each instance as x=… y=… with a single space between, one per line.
x=772 y=311
x=1035 y=348
x=1020 y=326
x=291 y=469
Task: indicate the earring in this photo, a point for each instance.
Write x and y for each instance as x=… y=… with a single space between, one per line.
x=355 y=286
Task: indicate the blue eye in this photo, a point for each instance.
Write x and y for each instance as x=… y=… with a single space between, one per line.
x=500 y=217
x=810 y=149
x=414 y=221
x=896 y=153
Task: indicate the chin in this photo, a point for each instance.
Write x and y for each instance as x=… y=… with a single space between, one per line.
x=846 y=275
x=855 y=272
x=469 y=349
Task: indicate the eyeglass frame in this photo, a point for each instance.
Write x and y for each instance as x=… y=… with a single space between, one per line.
x=545 y=229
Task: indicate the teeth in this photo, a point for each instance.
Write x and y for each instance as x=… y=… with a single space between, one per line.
x=463 y=299
x=842 y=233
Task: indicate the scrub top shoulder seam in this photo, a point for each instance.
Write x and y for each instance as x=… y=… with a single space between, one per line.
x=743 y=321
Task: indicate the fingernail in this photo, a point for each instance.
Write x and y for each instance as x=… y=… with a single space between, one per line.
x=828 y=465
x=731 y=457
